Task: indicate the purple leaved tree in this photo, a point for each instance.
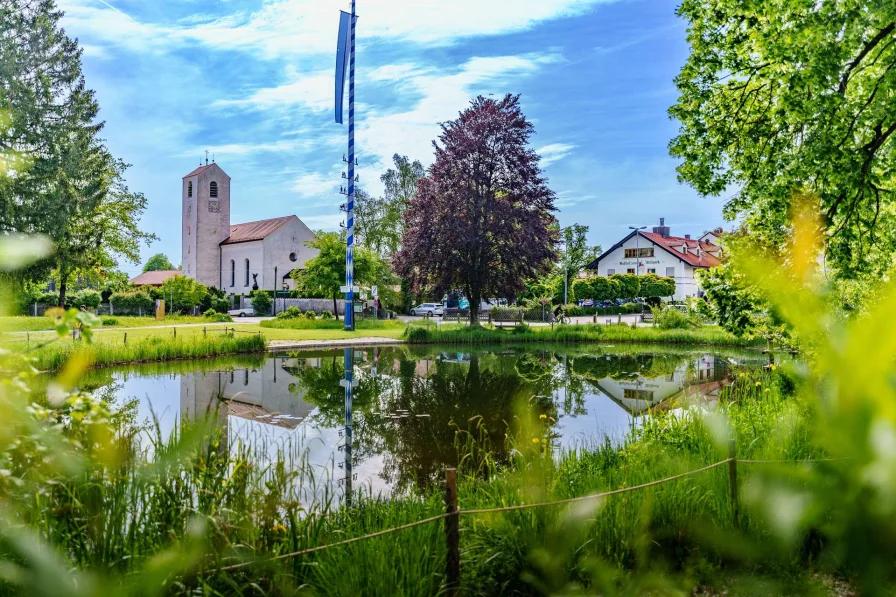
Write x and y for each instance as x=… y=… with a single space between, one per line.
x=482 y=219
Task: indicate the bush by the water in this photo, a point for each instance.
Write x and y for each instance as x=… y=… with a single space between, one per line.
x=261 y=301
x=213 y=316
x=671 y=318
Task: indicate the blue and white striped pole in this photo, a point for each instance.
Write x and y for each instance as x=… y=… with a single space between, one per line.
x=349 y=318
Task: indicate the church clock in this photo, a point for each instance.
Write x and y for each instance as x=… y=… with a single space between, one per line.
x=213 y=207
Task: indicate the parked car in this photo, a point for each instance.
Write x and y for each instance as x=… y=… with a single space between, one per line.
x=428 y=309
x=247 y=312
x=588 y=303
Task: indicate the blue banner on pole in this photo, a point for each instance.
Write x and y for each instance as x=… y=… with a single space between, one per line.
x=342 y=56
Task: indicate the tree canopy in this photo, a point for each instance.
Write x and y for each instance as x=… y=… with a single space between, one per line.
x=325 y=274
x=482 y=219
x=379 y=221
x=778 y=98
x=158 y=262
x=60 y=180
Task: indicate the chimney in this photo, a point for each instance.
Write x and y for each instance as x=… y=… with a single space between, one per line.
x=687 y=236
x=662 y=229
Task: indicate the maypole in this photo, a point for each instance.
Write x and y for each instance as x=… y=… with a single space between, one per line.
x=347 y=37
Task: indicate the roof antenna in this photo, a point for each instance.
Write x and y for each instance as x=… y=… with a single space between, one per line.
x=213 y=158
x=206 y=157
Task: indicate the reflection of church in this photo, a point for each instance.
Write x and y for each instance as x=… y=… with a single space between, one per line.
x=639 y=395
x=269 y=394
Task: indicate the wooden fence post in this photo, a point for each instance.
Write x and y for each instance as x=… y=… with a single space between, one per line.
x=28 y=338
x=452 y=534
x=203 y=331
x=125 y=338
x=732 y=475
x=175 y=332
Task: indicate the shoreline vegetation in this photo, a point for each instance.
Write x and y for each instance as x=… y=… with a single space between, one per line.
x=155 y=345
x=597 y=333
x=54 y=355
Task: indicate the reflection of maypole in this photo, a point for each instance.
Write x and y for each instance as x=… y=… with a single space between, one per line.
x=347 y=37
x=348 y=383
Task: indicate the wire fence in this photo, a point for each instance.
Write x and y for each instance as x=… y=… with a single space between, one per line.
x=453 y=513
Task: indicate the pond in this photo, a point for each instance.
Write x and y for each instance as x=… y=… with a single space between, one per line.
x=397 y=433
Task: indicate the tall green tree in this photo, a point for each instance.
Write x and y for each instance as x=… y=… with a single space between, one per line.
x=158 y=262
x=379 y=221
x=789 y=97
x=325 y=274
x=60 y=180
x=577 y=253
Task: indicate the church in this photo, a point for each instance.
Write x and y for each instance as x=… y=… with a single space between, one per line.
x=237 y=258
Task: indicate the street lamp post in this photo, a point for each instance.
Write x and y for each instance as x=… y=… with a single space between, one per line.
x=637 y=229
x=274 y=310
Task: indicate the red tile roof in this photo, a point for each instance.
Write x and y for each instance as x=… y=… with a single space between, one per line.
x=199 y=170
x=241 y=233
x=673 y=244
x=156 y=278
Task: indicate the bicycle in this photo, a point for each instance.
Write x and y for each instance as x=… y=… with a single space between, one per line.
x=562 y=320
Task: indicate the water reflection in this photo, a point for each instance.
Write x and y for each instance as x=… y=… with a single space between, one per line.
x=384 y=420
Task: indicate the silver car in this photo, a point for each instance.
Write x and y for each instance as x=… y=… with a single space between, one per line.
x=429 y=309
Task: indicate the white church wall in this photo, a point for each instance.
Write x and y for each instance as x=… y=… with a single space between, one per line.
x=238 y=253
x=288 y=239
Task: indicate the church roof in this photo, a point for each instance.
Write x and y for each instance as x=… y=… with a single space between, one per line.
x=242 y=233
x=155 y=278
x=199 y=170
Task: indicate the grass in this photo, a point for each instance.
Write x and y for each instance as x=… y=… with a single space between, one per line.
x=452 y=334
x=330 y=324
x=113 y=518
x=34 y=324
x=148 y=348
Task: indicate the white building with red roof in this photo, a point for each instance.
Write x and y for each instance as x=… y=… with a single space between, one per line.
x=658 y=252
x=236 y=258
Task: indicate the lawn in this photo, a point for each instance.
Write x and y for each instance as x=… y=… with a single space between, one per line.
x=34 y=324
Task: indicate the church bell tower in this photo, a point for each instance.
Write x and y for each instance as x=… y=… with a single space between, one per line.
x=205 y=222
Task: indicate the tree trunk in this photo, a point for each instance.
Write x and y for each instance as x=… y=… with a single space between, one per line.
x=61 y=304
x=335 y=307
x=475 y=301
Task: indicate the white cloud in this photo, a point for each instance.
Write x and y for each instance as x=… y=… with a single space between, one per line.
x=308 y=27
x=324 y=222
x=313 y=90
x=554 y=153
x=314 y=184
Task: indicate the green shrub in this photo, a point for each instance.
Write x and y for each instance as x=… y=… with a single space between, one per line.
x=214 y=316
x=325 y=315
x=261 y=301
x=670 y=318
x=310 y=315
x=521 y=328
x=110 y=320
x=290 y=313
x=134 y=300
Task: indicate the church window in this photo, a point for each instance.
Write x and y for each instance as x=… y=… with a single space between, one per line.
x=247 y=272
x=190 y=189
x=232 y=273
x=292 y=257
x=213 y=189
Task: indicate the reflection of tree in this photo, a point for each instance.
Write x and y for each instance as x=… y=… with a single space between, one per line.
x=626 y=367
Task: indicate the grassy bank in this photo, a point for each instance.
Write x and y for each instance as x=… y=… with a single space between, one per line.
x=36 y=324
x=330 y=324
x=148 y=349
x=452 y=334
x=672 y=537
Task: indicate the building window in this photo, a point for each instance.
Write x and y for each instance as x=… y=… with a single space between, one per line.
x=632 y=394
x=651 y=270
x=611 y=272
x=292 y=257
x=630 y=270
x=190 y=189
x=670 y=272
x=247 y=272
x=213 y=189
x=633 y=253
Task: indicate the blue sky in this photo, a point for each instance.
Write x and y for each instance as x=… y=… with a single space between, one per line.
x=252 y=82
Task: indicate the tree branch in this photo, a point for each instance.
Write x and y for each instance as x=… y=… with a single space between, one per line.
x=869 y=45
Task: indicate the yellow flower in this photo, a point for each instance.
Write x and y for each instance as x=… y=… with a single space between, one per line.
x=772 y=366
x=542 y=416
x=742 y=374
x=535 y=440
x=758 y=383
x=767 y=390
x=278 y=528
